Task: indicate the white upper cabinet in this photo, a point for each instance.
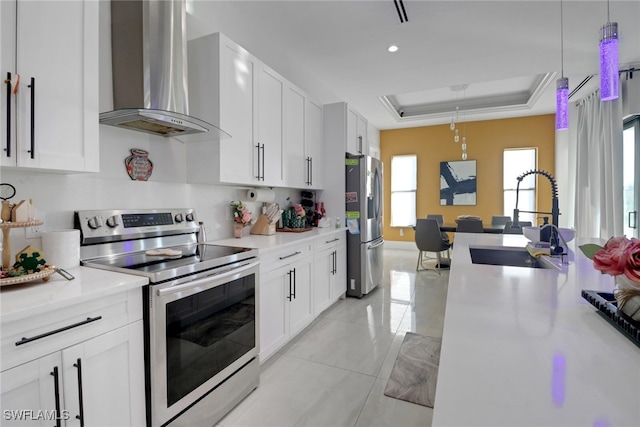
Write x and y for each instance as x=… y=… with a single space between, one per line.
x=222 y=76
x=373 y=135
x=303 y=156
x=314 y=149
x=296 y=174
x=49 y=66
x=265 y=114
x=268 y=160
x=356 y=133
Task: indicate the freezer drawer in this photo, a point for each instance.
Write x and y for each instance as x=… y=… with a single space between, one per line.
x=364 y=268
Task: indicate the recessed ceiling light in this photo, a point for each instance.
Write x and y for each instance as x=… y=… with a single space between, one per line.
x=393 y=48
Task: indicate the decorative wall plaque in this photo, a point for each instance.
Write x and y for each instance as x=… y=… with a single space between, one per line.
x=138 y=165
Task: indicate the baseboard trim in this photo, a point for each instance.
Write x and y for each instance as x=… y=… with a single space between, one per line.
x=405 y=246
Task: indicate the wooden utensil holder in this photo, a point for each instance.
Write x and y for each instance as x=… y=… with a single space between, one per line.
x=263 y=227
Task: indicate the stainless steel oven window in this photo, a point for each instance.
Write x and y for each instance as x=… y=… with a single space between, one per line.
x=206 y=332
x=202 y=331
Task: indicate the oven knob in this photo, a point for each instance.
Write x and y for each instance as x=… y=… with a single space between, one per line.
x=179 y=218
x=112 y=221
x=95 y=222
x=189 y=216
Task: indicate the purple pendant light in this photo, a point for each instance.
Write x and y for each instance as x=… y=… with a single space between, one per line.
x=562 y=87
x=609 y=60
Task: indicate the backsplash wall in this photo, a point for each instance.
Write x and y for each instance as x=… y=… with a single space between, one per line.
x=59 y=195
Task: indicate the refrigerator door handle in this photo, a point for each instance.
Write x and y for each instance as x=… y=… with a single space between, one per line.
x=375 y=245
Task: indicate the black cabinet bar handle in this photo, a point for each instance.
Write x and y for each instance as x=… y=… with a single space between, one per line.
x=634 y=224
x=78 y=365
x=8 y=83
x=290 y=292
x=329 y=241
x=56 y=385
x=262 y=178
x=290 y=255
x=360 y=144
x=335 y=262
x=33 y=118
x=294 y=283
x=25 y=340
x=310 y=170
x=258 y=147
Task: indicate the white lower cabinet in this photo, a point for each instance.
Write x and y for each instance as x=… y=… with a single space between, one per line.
x=285 y=303
x=297 y=283
x=330 y=272
x=95 y=381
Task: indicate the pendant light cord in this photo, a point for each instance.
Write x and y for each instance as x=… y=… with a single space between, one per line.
x=561 y=41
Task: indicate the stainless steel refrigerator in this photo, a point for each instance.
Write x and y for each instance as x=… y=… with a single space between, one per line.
x=363 y=206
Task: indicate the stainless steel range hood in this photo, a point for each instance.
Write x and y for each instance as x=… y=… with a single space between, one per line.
x=149 y=62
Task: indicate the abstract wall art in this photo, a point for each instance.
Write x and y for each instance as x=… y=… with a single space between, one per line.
x=458 y=183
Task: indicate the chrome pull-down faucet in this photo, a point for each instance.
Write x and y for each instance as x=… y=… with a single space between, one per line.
x=554 y=247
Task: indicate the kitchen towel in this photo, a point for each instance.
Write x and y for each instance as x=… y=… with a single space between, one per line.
x=62 y=248
x=415 y=372
x=261 y=195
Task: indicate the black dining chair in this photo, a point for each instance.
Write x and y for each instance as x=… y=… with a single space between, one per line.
x=508 y=229
x=429 y=239
x=469 y=226
x=440 y=220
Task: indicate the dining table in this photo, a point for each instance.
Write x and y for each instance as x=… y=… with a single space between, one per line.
x=487 y=228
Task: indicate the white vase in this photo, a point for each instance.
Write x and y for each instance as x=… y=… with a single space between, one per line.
x=627 y=295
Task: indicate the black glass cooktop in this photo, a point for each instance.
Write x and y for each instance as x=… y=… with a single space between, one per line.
x=175 y=260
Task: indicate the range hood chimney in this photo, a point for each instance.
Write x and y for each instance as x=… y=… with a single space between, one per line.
x=149 y=62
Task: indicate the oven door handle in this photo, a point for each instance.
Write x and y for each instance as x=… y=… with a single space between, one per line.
x=217 y=276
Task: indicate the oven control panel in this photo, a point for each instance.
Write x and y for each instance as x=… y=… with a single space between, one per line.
x=112 y=225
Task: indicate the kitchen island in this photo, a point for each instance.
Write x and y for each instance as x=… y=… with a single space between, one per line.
x=521 y=347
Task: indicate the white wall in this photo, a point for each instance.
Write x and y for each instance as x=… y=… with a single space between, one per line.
x=59 y=195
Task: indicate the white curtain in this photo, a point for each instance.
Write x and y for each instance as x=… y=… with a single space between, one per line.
x=598 y=205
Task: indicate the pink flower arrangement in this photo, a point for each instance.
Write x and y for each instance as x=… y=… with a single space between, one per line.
x=619 y=256
x=241 y=215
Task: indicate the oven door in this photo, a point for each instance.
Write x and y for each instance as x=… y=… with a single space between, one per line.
x=201 y=331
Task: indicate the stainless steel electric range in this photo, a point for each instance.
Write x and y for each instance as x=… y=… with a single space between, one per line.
x=199 y=309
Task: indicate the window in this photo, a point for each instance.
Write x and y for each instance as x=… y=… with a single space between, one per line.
x=517 y=161
x=403 y=190
x=631 y=177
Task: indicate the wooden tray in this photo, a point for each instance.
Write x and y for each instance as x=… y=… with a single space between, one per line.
x=43 y=274
x=294 y=230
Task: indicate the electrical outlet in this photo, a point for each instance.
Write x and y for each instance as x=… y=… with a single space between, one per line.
x=36 y=230
x=402 y=231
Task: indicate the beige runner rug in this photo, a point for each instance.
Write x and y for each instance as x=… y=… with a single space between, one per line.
x=415 y=371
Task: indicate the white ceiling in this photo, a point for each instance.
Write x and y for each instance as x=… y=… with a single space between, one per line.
x=505 y=49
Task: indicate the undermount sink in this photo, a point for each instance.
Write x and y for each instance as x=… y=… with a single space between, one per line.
x=506 y=255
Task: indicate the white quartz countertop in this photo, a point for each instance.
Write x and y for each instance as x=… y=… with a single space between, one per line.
x=521 y=347
x=280 y=239
x=23 y=300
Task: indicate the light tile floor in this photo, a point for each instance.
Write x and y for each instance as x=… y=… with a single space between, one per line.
x=335 y=371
